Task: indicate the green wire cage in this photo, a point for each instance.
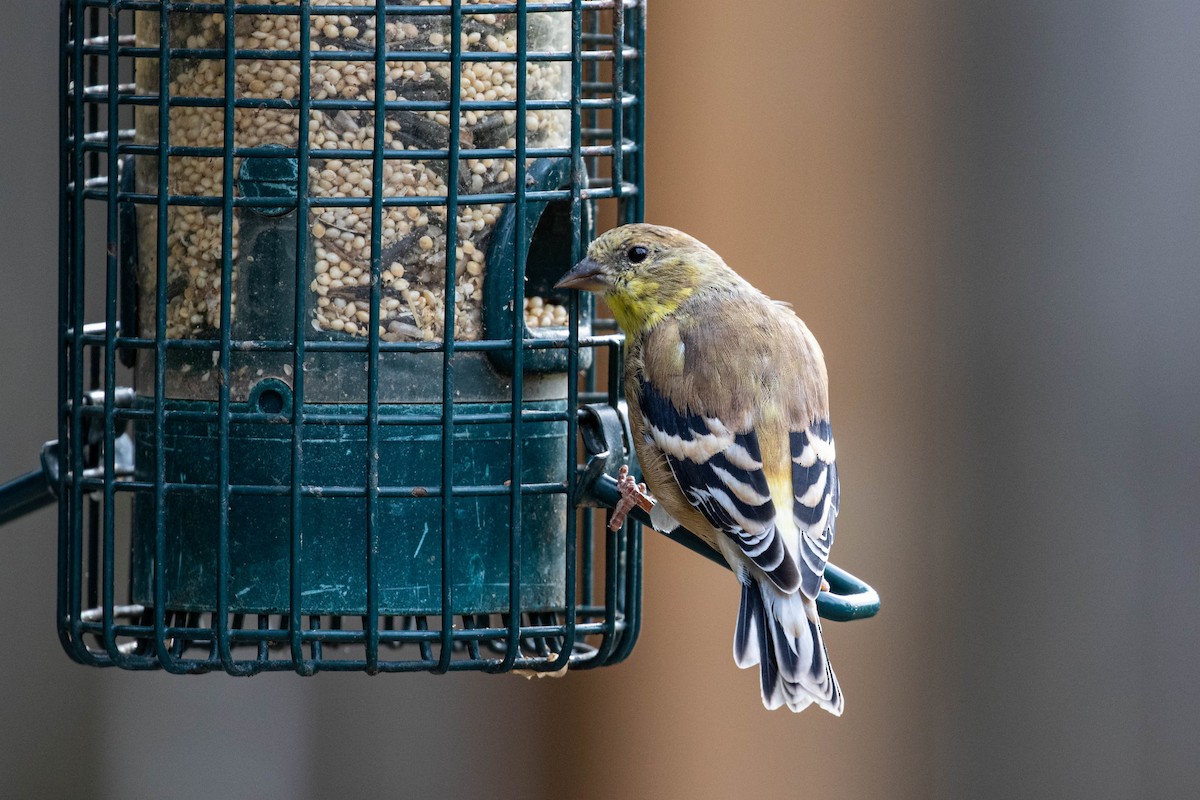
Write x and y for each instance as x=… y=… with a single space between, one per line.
x=332 y=414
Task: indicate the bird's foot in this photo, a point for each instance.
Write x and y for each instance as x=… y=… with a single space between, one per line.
x=824 y=585
x=632 y=494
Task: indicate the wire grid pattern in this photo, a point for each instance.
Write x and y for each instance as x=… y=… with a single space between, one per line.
x=98 y=622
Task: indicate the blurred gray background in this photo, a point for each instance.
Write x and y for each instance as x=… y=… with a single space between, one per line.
x=989 y=213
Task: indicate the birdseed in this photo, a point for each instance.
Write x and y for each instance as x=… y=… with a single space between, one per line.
x=413 y=240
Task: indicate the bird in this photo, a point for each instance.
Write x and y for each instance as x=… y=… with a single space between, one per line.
x=728 y=403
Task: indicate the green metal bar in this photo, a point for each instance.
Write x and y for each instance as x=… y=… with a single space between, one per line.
x=193 y=53
x=337 y=346
x=92 y=598
x=616 y=361
x=446 y=653
x=372 y=621
x=593 y=80
x=112 y=237
x=92 y=67
x=24 y=495
x=402 y=9
x=316 y=653
x=300 y=330
x=612 y=559
x=627 y=548
x=65 y=239
x=570 y=556
x=598 y=192
x=618 y=81
x=631 y=21
x=224 y=364
x=586 y=535
x=385 y=418
x=264 y=653
x=326 y=636
x=637 y=203
x=205 y=151
x=516 y=466
x=612 y=582
x=328 y=490
x=77 y=442
x=349 y=104
x=162 y=228
x=351 y=55
x=632 y=614
x=422 y=625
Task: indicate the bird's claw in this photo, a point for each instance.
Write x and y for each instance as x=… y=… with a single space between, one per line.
x=632 y=494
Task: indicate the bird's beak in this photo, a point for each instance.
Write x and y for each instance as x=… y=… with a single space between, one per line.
x=587 y=275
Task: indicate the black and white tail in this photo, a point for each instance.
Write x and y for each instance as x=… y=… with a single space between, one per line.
x=780 y=632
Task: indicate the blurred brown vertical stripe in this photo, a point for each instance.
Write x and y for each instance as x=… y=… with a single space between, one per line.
x=801 y=141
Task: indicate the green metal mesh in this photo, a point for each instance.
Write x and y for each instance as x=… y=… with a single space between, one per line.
x=307 y=348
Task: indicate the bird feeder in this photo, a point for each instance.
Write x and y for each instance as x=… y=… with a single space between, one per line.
x=331 y=414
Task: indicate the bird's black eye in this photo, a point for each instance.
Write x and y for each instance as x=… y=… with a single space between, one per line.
x=637 y=254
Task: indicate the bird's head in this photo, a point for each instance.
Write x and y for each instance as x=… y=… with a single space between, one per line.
x=644 y=272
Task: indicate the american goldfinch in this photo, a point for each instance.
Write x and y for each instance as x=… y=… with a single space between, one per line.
x=729 y=408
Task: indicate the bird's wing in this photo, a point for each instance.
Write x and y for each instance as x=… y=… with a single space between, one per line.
x=816 y=489
x=720 y=472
